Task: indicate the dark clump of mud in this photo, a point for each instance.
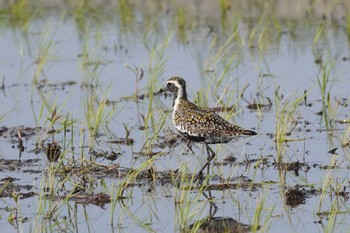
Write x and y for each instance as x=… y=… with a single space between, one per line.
x=123 y=141
x=293 y=166
x=295 y=196
x=100 y=199
x=343 y=194
x=53 y=151
x=25 y=132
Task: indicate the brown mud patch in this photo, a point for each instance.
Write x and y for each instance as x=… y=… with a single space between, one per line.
x=8 y=188
x=15 y=165
x=100 y=199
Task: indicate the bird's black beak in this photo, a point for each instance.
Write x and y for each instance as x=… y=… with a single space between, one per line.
x=164 y=89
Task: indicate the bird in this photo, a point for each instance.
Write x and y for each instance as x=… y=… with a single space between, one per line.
x=200 y=125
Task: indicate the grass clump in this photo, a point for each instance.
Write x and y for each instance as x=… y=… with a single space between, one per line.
x=21 y=12
x=285 y=122
x=98 y=113
x=325 y=83
x=44 y=53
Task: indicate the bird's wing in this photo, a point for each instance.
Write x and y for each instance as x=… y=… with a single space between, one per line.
x=201 y=122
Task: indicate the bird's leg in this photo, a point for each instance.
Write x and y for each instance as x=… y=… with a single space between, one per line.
x=208 y=168
x=211 y=156
x=208 y=159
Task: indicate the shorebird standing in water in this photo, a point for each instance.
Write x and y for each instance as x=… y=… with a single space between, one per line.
x=200 y=125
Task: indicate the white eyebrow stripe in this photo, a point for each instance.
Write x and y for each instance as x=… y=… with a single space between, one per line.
x=177 y=84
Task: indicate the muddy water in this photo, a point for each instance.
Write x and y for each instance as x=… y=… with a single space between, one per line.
x=76 y=61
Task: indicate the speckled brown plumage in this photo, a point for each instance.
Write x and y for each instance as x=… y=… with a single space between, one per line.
x=198 y=124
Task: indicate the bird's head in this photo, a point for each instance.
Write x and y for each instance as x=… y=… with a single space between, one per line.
x=177 y=86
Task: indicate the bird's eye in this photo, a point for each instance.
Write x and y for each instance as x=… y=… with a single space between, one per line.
x=169 y=85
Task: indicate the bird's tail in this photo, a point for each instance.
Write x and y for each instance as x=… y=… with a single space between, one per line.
x=247 y=132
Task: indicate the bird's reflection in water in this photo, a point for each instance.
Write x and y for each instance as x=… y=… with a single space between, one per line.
x=214 y=224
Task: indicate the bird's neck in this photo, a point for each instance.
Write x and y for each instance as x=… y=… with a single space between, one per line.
x=180 y=95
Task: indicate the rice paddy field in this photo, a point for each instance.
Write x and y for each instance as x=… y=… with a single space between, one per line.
x=87 y=142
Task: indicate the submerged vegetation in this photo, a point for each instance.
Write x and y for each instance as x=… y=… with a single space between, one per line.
x=86 y=135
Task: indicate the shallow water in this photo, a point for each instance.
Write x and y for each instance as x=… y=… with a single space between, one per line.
x=86 y=53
